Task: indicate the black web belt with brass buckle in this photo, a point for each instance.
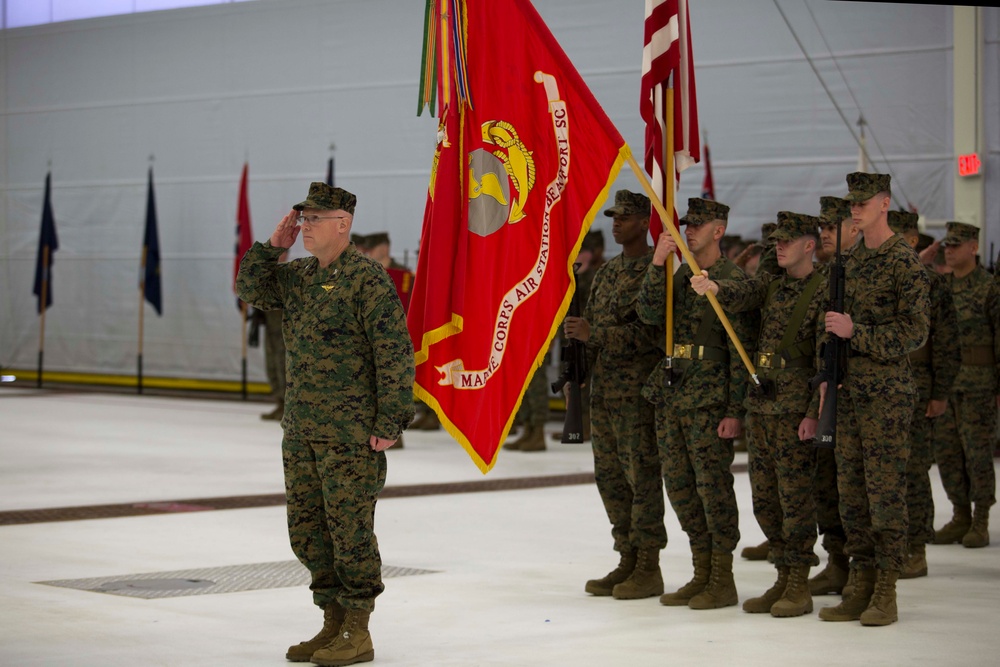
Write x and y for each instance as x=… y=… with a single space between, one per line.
x=774 y=361
x=685 y=354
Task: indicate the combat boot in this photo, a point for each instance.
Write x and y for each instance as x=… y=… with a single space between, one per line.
x=762 y=604
x=721 y=589
x=759 y=552
x=882 y=608
x=683 y=595
x=516 y=444
x=955 y=530
x=645 y=580
x=796 y=600
x=852 y=578
x=916 y=563
x=333 y=617
x=979 y=533
x=853 y=605
x=353 y=644
x=606 y=584
x=832 y=578
x=275 y=415
x=534 y=440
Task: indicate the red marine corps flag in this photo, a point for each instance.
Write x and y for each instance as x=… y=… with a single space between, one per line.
x=525 y=157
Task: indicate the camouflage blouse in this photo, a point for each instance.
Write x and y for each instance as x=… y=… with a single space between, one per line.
x=977 y=304
x=621 y=350
x=349 y=355
x=887 y=295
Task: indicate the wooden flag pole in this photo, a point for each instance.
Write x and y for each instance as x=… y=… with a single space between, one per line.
x=44 y=298
x=243 y=338
x=669 y=181
x=142 y=312
x=658 y=205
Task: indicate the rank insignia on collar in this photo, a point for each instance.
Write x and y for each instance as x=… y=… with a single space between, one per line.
x=327 y=287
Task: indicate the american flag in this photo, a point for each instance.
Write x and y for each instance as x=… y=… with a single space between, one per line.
x=667 y=62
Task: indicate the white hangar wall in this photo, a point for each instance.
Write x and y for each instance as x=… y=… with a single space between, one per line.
x=274 y=82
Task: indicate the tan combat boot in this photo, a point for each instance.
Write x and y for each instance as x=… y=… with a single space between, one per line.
x=645 y=580
x=955 y=530
x=759 y=552
x=979 y=533
x=882 y=608
x=831 y=579
x=683 y=595
x=916 y=563
x=333 y=616
x=276 y=414
x=606 y=584
x=762 y=604
x=533 y=441
x=796 y=601
x=721 y=589
x=353 y=644
x=516 y=444
x=853 y=605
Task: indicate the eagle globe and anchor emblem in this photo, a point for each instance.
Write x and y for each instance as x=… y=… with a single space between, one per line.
x=500 y=180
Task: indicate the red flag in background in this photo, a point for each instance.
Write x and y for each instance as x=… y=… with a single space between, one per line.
x=708 y=185
x=667 y=62
x=525 y=157
x=244 y=237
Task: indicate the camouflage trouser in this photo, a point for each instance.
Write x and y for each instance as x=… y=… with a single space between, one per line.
x=627 y=468
x=274 y=353
x=331 y=491
x=872 y=448
x=966 y=461
x=534 y=410
x=781 y=479
x=827 y=500
x=696 y=473
x=919 y=497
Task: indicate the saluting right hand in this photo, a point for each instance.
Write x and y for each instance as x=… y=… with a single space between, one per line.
x=287 y=231
x=665 y=247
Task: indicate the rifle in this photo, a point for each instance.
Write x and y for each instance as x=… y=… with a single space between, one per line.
x=834 y=360
x=573 y=357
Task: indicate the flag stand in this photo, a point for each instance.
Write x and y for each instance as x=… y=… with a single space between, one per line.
x=658 y=205
x=142 y=312
x=43 y=299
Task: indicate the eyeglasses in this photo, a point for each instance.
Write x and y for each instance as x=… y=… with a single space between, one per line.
x=315 y=219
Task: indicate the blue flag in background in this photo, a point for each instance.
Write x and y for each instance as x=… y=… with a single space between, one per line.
x=151 y=250
x=47 y=246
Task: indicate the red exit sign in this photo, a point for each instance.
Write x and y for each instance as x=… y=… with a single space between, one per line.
x=968 y=165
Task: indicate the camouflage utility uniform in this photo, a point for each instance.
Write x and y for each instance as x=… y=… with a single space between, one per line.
x=626 y=461
x=781 y=465
x=966 y=463
x=350 y=376
x=886 y=295
x=696 y=461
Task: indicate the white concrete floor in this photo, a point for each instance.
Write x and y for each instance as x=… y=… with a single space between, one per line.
x=509 y=565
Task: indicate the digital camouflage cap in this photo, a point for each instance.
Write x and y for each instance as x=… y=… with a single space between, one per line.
x=701 y=211
x=960 y=232
x=765 y=232
x=329 y=198
x=794 y=225
x=593 y=240
x=629 y=203
x=862 y=187
x=903 y=222
x=376 y=239
x=833 y=210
